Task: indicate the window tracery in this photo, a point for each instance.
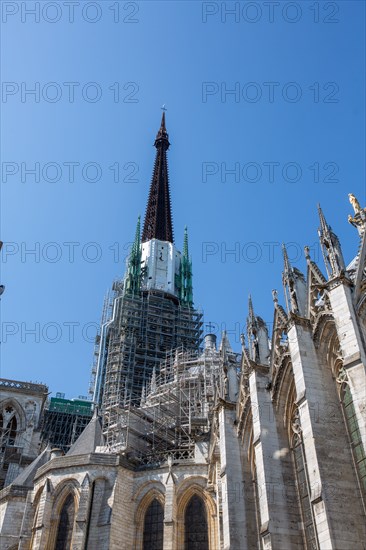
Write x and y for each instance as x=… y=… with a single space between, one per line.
x=195 y=525
x=154 y=527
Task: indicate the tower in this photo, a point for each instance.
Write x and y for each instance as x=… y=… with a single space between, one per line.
x=150 y=311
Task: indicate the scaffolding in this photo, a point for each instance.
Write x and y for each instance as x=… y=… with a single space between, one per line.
x=175 y=412
x=64 y=421
x=141 y=331
x=105 y=319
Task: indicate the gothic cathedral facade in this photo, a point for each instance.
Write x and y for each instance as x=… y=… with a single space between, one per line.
x=193 y=446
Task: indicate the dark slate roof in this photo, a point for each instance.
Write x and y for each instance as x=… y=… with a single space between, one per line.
x=90 y=438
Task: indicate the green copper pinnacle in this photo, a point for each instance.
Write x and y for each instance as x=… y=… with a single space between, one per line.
x=186 y=289
x=133 y=277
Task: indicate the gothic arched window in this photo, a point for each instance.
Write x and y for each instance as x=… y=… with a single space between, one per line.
x=8 y=432
x=303 y=486
x=11 y=431
x=354 y=433
x=154 y=527
x=195 y=525
x=66 y=525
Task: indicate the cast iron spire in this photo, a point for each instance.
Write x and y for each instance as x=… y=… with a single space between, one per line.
x=158 y=218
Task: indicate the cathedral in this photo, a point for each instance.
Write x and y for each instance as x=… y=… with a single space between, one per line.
x=191 y=446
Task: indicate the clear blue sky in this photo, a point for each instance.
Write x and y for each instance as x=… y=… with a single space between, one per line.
x=299 y=80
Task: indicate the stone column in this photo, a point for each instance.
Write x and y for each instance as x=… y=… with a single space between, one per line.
x=43 y=523
x=275 y=530
x=332 y=481
x=27 y=523
x=78 y=539
x=233 y=509
x=169 y=513
x=123 y=528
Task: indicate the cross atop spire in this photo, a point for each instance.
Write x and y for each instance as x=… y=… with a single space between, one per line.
x=162 y=133
x=158 y=218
